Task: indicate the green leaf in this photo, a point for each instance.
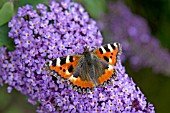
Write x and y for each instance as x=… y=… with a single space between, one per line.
x=6 y=12
x=2 y=2
x=1 y=44
x=4 y=39
x=95 y=7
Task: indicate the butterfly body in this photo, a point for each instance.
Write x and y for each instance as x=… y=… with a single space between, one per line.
x=89 y=69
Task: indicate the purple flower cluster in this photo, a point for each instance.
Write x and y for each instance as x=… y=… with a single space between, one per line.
x=139 y=46
x=55 y=30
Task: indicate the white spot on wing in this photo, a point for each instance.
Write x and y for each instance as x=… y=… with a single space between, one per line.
x=115 y=44
x=58 y=61
x=110 y=48
x=67 y=73
x=67 y=59
x=110 y=67
x=104 y=51
x=50 y=63
x=110 y=60
x=73 y=78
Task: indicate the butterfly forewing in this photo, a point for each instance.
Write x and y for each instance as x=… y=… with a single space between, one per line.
x=109 y=52
x=64 y=66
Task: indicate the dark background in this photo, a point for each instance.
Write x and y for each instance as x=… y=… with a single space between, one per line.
x=156 y=87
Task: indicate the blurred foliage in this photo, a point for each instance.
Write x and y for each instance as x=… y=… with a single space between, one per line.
x=95 y=8
x=6 y=12
x=4 y=39
x=14 y=102
x=157 y=13
x=155 y=87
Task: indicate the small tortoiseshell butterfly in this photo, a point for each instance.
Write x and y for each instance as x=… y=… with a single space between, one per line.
x=89 y=69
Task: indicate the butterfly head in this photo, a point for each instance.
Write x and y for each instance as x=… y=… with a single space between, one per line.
x=86 y=49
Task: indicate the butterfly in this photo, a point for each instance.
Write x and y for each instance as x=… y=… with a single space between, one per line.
x=87 y=70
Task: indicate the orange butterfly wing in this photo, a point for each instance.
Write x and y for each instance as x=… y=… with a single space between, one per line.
x=110 y=54
x=64 y=66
